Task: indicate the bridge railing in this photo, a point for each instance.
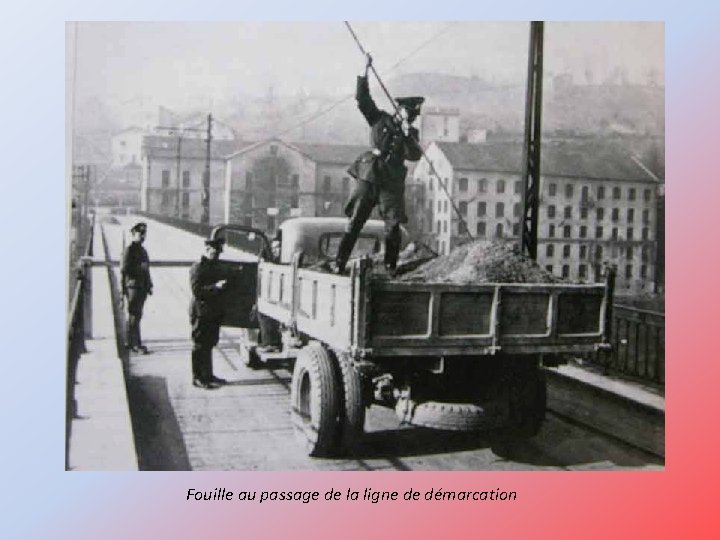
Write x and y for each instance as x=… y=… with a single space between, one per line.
x=638 y=345
x=638 y=335
x=201 y=229
x=79 y=327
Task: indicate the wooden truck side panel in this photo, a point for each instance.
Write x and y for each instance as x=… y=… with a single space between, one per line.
x=440 y=318
x=324 y=308
x=386 y=318
x=315 y=303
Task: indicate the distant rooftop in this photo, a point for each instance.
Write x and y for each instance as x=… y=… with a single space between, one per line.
x=161 y=146
x=333 y=154
x=585 y=159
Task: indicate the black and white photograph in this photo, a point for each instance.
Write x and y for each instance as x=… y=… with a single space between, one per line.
x=365 y=246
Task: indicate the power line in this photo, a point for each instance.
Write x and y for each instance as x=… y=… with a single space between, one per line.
x=465 y=228
x=334 y=105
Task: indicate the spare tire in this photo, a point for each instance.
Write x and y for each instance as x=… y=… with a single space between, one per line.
x=454 y=416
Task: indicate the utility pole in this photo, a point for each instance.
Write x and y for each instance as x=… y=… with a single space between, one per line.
x=179 y=158
x=205 y=217
x=531 y=143
x=181 y=132
x=81 y=185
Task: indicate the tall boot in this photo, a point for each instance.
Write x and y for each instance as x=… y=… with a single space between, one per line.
x=132 y=338
x=138 y=337
x=392 y=248
x=212 y=378
x=208 y=364
x=197 y=365
x=347 y=243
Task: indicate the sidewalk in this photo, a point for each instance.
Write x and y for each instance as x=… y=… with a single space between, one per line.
x=620 y=408
x=101 y=434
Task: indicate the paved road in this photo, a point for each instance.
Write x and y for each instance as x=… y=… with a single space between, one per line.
x=246 y=425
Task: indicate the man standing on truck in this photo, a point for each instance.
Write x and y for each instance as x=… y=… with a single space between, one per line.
x=136 y=285
x=206 y=313
x=380 y=172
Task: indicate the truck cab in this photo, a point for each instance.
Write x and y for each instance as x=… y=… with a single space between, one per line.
x=318 y=238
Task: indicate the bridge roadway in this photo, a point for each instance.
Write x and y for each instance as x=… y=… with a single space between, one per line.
x=245 y=425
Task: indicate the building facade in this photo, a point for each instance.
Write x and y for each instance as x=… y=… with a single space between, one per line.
x=173 y=168
x=597 y=206
x=273 y=180
x=126 y=147
x=439 y=124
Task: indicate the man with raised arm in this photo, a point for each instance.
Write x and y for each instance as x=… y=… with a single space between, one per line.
x=380 y=172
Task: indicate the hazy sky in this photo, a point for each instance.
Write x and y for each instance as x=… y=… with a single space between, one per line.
x=177 y=62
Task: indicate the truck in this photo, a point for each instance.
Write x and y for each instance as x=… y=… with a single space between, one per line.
x=442 y=355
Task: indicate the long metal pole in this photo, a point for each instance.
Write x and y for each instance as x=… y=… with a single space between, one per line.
x=441 y=182
x=205 y=217
x=372 y=67
x=531 y=143
x=177 y=191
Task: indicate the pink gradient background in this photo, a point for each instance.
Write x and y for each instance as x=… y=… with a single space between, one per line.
x=681 y=502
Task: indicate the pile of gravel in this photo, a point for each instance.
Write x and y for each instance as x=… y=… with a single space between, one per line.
x=480 y=261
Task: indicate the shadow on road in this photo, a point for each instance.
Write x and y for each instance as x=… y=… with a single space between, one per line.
x=158 y=439
x=558 y=445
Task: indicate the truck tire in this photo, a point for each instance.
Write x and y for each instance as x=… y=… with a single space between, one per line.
x=315 y=404
x=450 y=416
x=247 y=349
x=528 y=402
x=352 y=417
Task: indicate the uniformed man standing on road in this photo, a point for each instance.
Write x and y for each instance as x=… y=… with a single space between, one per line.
x=206 y=313
x=136 y=285
x=380 y=172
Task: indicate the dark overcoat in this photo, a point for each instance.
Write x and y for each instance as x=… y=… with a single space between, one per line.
x=384 y=163
x=135 y=270
x=207 y=302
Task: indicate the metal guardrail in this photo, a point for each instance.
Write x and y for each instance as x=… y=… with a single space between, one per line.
x=638 y=345
x=79 y=327
x=201 y=229
x=638 y=336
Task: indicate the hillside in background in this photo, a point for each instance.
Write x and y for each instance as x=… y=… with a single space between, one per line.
x=569 y=110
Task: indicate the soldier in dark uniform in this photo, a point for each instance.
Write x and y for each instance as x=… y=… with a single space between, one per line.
x=380 y=172
x=206 y=313
x=136 y=285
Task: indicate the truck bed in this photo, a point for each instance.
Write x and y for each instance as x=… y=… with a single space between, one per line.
x=363 y=315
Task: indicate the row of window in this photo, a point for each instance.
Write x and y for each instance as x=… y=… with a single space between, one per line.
x=169 y=199
x=501 y=184
x=165 y=178
x=600 y=192
x=481 y=231
x=481 y=208
x=583 y=271
x=442 y=206
x=599 y=232
x=599 y=213
x=482 y=185
x=441 y=226
x=615 y=252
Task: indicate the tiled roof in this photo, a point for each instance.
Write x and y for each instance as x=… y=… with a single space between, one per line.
x=336 y=154
x=558 y=158
x=160 y=146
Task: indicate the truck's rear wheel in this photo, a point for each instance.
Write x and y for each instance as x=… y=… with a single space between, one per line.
x=528 y=401
x=352 y=417
x=315 y=396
